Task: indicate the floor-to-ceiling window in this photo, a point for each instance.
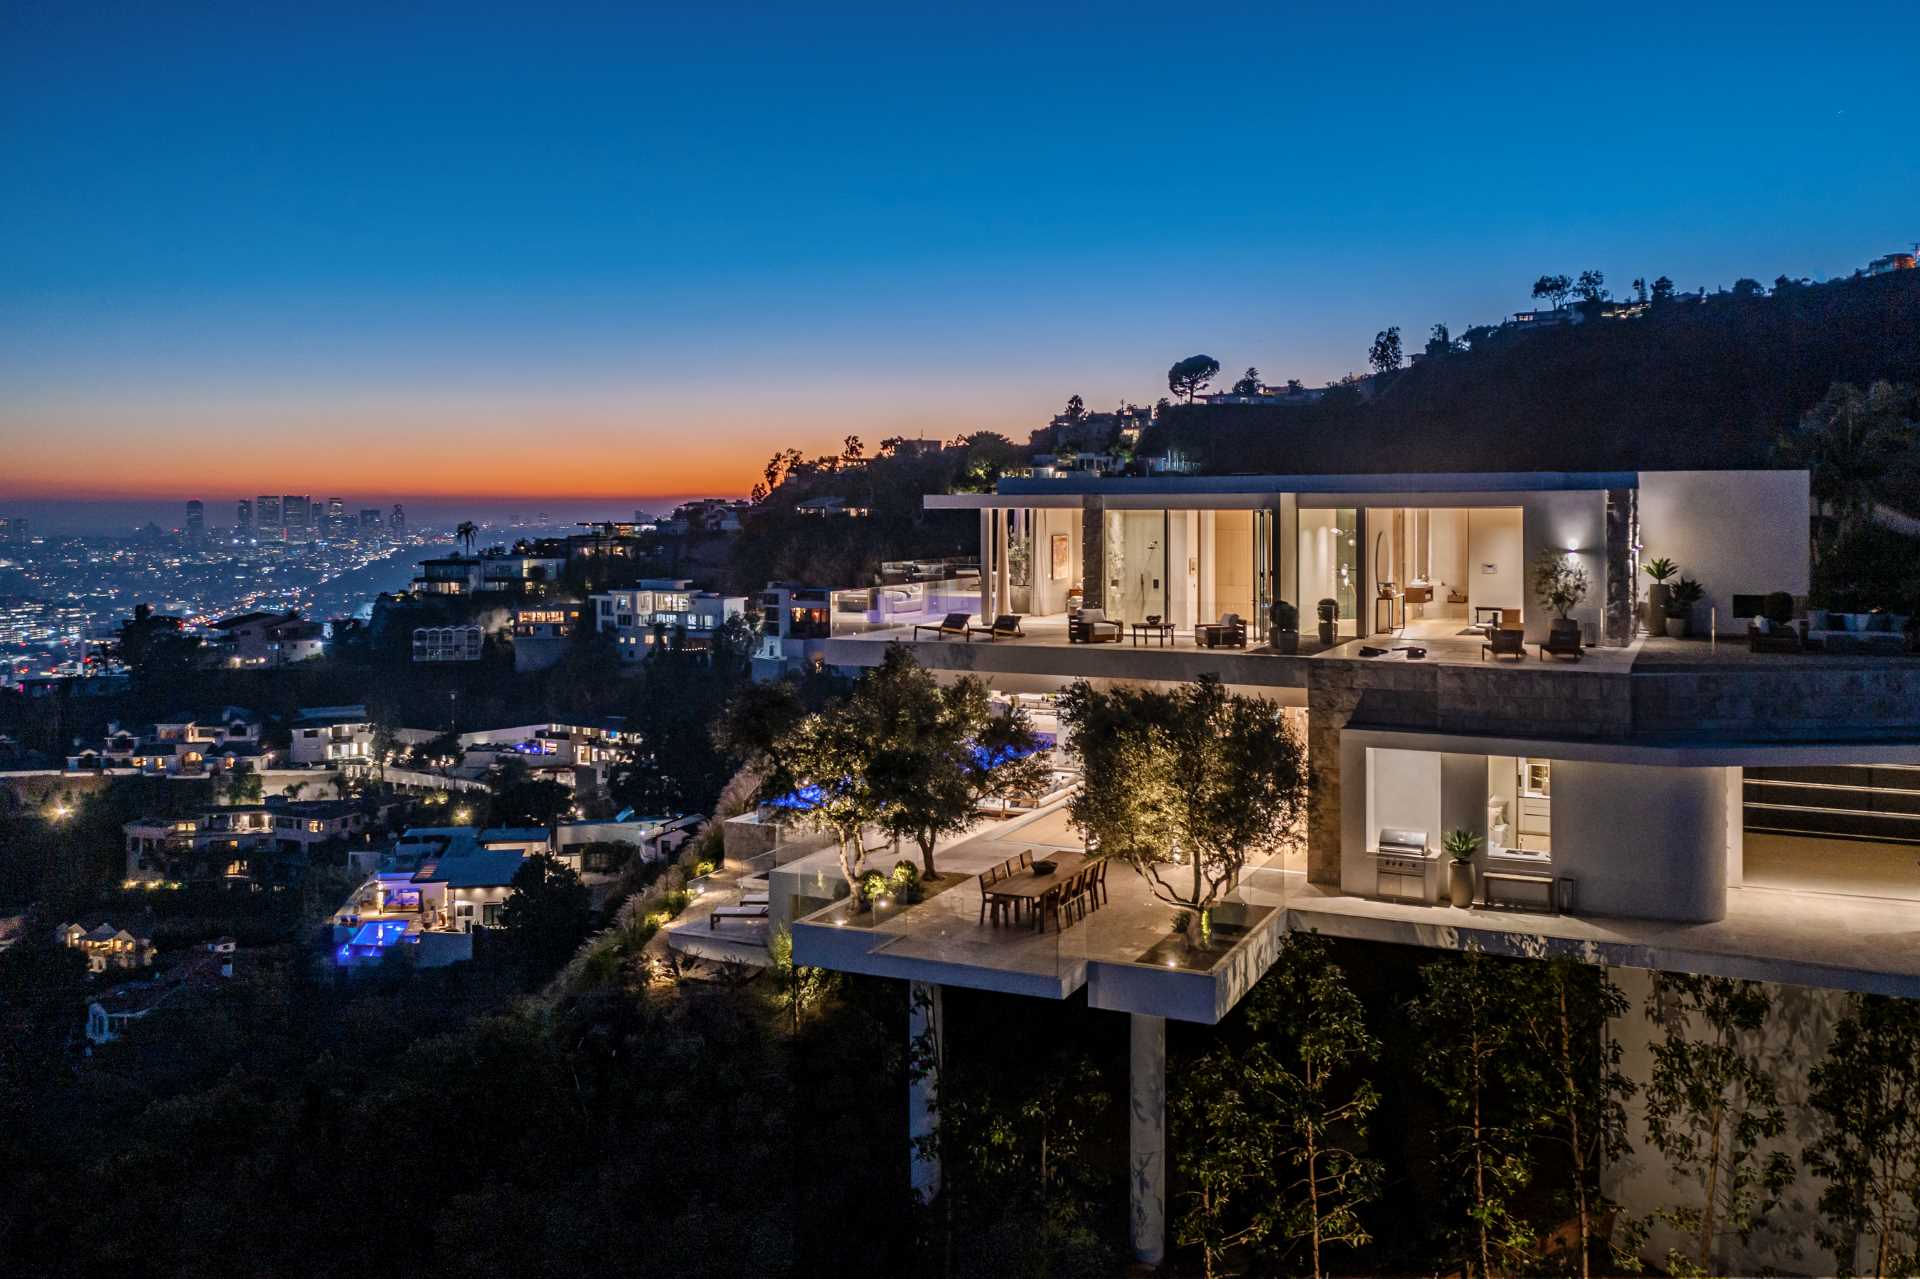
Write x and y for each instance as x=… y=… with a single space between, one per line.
x=1329 y=566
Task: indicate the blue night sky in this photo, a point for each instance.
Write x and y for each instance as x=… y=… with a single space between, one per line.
x=592 y=251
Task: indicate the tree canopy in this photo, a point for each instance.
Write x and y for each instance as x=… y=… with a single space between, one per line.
x=1190 y=376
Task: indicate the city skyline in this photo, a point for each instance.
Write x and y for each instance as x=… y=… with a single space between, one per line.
x=359 y=255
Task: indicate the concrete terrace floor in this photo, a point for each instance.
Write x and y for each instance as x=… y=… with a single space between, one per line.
x=943 y=939
x=1800 y=938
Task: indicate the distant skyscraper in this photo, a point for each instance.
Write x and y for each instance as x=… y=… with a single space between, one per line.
x=13 y=532
x=336 y=516
x=369 y=517
x=243 y=518
x=266 y=514
x=196 y=522
x=295 y=511
x=397 y=522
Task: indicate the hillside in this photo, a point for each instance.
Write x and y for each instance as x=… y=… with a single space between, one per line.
x=1688 y=385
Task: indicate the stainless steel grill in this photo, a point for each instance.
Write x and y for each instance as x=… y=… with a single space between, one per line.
x=1402 y=867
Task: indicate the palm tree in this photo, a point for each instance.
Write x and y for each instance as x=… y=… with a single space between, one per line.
x=466 y=533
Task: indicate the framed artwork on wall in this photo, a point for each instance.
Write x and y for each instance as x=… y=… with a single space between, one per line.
x=1057 y=564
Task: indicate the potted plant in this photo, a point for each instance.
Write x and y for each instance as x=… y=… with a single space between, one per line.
x=1660 y=571
x=1681 y=598
x=1562 y=583
x=1327 y=611
x=1283 y=632
x=1460 y=846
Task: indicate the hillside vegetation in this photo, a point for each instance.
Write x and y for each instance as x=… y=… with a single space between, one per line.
x=1713 y=383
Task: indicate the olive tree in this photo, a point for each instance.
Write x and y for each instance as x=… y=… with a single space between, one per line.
x=1187 y=786
x=938 y=751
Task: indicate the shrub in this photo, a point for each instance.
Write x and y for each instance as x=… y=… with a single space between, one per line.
x=1777 y=608
x=1284 y=616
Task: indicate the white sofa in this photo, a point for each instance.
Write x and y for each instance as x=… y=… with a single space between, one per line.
x=1856 y=632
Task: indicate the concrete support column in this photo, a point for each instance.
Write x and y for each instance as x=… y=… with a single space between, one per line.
x=1002 y=568
x=926 y=1033
x=986 y=561
x=1147 y=1139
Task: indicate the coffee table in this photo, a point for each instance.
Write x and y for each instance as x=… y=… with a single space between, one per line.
x=1162 y=632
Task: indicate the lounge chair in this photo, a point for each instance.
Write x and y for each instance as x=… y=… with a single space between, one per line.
x=1563 y=645
x=956 y=624
x=734 y=912
x=1229 y=632
x=1504 y=641
x=1093 y=626
x=1005 y=626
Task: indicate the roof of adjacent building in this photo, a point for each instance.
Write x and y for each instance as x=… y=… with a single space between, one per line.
x=473 y=868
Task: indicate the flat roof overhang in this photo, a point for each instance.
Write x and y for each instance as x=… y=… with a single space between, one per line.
x=1657 y=752
x=1231 y=492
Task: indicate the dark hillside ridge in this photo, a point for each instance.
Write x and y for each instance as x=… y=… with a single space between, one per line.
x=1688 y=386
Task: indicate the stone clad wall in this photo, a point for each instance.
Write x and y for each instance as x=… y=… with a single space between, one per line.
x=1838 y=698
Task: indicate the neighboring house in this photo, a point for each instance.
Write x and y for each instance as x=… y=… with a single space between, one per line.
x=1888 y=263
x=542 y=633
x=269 y=639
x=829 y=506
x=449 y=643
x=106 y=947
x=238 y=843
x=329 y=735
x=707 y=515
x=204 y=970
x=637 y=619
x=430 y=892
x=182 y=744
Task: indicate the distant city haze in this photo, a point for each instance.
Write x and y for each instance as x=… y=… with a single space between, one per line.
x=88 y=516
x=563 y=252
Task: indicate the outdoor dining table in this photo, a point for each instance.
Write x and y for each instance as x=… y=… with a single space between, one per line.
x=1026 y=886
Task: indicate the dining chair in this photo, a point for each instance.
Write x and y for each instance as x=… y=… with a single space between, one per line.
x=988 y=878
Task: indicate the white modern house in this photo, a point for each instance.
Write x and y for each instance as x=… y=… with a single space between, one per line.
x=1708 y=804
x=330 y=735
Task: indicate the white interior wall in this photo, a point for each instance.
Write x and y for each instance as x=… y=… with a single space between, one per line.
x=1642 y=841
x=1494 y=570
x=1403 y=793
x=1233 y=560
x=1447 y=554
x=1734 y=532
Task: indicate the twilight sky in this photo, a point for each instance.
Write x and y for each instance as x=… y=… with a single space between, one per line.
x=612 y=252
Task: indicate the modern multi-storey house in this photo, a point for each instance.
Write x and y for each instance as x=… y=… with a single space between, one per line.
x=666 y=611
x=330 y=735
x=1743 y=802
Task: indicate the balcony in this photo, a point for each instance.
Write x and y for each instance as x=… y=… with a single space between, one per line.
x=1126 y=952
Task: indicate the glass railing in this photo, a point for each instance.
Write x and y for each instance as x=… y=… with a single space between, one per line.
x=862 y=610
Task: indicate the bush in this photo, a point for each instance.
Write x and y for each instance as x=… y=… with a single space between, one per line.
x=1777 y=608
